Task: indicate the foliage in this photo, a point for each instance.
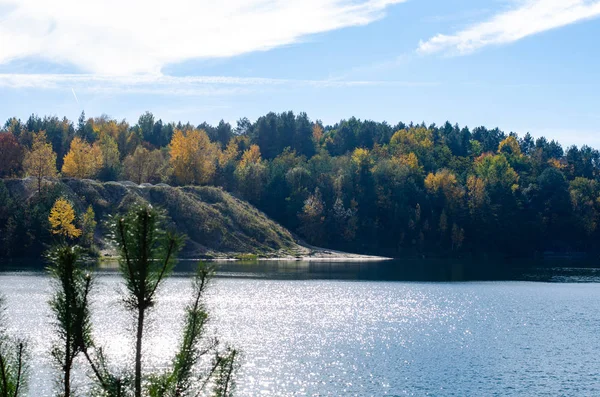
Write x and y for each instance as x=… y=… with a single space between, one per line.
x=383 y=188
x=147 y=257
x=70 y=306
x=145 y=166
x=184 y=377
x=88 y=227
x=24 y=225
x=193 y=157
x=312 y=218
x=83 y=160
x=61 y=220
x=11 y=153
x=251 y=174
x=111 y=158
x=40 y=161
x=510 y=146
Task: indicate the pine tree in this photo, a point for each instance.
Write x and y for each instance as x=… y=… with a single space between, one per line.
x=70 y=306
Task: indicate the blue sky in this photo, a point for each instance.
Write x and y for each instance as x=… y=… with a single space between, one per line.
x=521 y=65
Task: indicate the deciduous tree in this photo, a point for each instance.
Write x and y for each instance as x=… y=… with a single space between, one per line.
x=193 y=157
x=312 y=218
x=83 y=160
x=145 y=166
x=62 y=218
x=11 y=155
x=251 y=174
x=111 y=158
x=40 y=161
x=88 y=227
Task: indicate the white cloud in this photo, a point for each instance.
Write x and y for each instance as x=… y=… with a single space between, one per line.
x=176 y=85
x=530 y=17
x=124 y=37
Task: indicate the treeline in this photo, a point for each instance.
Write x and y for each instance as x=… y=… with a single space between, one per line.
x=357 y=185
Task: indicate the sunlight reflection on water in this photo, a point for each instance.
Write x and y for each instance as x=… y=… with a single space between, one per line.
x=324 y=337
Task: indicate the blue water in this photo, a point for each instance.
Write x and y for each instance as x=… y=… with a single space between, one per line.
x=328 y=337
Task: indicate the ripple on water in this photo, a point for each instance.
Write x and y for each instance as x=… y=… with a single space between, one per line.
x=332 y=338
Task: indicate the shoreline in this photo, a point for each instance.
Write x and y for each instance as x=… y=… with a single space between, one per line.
x=301 y=253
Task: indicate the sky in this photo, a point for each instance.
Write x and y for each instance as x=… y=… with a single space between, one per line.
x=520 y=65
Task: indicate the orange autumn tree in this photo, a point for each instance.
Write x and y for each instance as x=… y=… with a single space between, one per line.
x=61 y=220
x=193 y=157
x=83 y=160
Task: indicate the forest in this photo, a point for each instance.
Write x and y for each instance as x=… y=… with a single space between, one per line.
x=358 y=185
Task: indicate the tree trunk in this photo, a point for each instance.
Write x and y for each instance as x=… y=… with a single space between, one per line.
x=138 y=353
x=67 y=375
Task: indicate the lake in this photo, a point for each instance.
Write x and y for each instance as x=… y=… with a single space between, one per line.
x=345 y=329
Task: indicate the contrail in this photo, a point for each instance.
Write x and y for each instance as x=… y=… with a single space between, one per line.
x=75 y=95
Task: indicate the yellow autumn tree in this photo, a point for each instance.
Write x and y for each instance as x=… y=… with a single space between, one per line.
x=510 y=146
x=361 y=158
x=228 y=155
x=420 y=141
x=446 y=183
x=411 y=161
x=251 y=156
x=193 y=157
x=61 y=219
x=413 y=139
x=251 y=174
x=40 y=161
x=83 y=160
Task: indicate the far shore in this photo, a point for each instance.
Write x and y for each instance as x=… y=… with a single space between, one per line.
x=301 y=253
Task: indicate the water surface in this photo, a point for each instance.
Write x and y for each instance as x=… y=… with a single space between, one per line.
x=307 y=332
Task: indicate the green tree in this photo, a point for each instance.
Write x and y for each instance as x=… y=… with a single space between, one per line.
x=312 y=218
x=88 y=227
x=70 y=306
x=147 y=257
x=111 y=158
x=585 y=198
x=183 y=378
x=146 y=166
x=496 y=172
